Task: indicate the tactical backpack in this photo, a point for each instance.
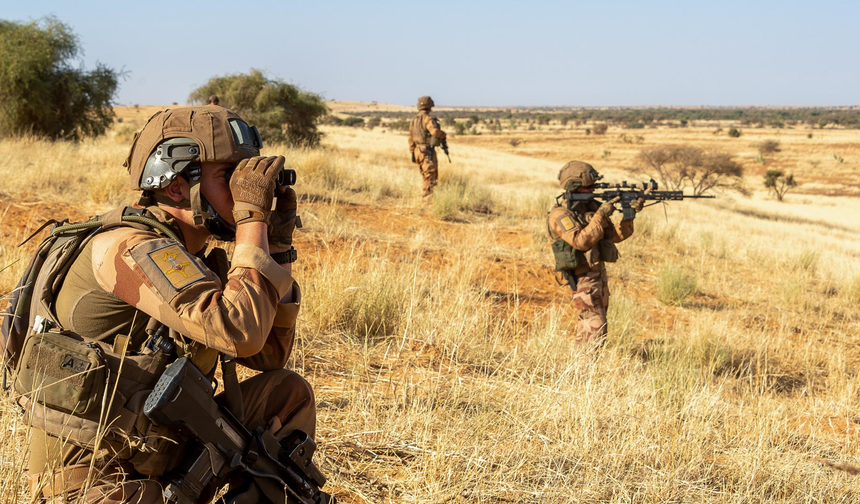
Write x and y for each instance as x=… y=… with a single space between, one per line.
x=89 y=393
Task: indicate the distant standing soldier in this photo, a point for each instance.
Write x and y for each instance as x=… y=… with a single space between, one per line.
x=583 y=240
x=213 y=100
x=424 y=135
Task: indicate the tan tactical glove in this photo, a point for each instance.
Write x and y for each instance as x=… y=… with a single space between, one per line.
x=284 y=218
x=253 y=188
x=608 y=207
x=639 y=203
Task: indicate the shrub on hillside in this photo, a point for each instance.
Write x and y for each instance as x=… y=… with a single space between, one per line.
x=779 y=183
x=677 y=166
x=42 y=89
x=600 y=129
x=282 y=112
x=734 y=132
x=332 y=120
x=768 y=147
x=399 y=125
x=355 y=122
x=373 y=122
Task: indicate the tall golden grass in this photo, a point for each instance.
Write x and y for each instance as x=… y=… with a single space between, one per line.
x=441 y=351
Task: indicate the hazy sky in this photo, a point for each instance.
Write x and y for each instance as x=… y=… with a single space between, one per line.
x=480 y=53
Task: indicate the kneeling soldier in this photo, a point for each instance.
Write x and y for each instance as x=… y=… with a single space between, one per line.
x=116 y=303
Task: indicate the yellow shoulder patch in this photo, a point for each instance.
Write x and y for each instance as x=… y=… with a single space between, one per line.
x=566 y=223
x=176 y=265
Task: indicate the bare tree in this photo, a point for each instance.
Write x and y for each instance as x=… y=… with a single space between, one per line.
x=679 y=166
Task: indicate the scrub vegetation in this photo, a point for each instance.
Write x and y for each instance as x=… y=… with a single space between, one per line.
x=440 y=348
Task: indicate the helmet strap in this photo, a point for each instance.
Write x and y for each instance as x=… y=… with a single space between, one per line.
x=197 y=216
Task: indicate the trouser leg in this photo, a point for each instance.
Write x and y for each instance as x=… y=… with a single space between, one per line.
x=591 y=299
x=279 y=400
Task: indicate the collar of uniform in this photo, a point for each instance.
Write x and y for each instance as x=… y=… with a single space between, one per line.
x=166 y=219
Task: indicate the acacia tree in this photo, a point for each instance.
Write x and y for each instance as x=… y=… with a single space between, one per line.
x=42 y=92
x=680 y=166
x=779 y=183
x=282 y=112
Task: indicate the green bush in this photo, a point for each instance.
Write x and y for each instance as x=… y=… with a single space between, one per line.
x=734 y=132
x=282 y=112
x=352 y=121
x=674 y=285
x=779 y=183
x=373 y=122
x=600 y=129
x=43 y=91
x=460 y=128
x=399 y=125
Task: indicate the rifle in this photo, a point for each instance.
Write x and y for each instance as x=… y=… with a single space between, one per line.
x=445 y=150
x=628 y=193
x=280 y=472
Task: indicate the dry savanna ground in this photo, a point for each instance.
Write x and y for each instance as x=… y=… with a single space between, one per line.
x=440 y=347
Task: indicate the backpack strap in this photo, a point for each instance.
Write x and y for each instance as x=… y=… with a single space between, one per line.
x=120 y=217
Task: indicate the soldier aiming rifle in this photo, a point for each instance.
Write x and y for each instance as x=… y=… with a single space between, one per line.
x=584 y=238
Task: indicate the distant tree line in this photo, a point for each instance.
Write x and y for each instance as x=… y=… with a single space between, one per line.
x=821 y=117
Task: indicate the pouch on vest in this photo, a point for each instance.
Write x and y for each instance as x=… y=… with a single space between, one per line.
x=566 y=257
x=608 y=251
x=62 y=372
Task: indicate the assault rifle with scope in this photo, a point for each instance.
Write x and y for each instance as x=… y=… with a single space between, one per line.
x=276 y=472
x=628 y=193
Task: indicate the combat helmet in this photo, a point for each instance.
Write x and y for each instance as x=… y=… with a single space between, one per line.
x=576 y=174
x=425 y=103
x=175 y=142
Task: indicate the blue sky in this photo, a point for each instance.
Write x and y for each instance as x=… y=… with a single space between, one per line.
x=506 y=53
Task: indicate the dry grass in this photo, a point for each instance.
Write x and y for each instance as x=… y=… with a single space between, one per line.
x=440 y=350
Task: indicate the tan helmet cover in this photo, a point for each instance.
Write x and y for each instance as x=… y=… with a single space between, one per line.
x=209 y=126
x=579 y=173
x=425 y=102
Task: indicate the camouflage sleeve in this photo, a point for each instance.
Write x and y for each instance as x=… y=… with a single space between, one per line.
x=580 y=238
x=279 y=345
x=411 y=141
x=159 y=277
x=622 y=231
x=432 y=126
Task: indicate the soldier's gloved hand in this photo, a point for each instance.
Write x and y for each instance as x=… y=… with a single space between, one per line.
x=639 y=203
x=253 y=188
x=284 y=219
x=608 y=207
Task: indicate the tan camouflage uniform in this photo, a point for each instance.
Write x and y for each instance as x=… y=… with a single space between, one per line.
x=424 y=126
x=583 y=230
x=125 y=276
